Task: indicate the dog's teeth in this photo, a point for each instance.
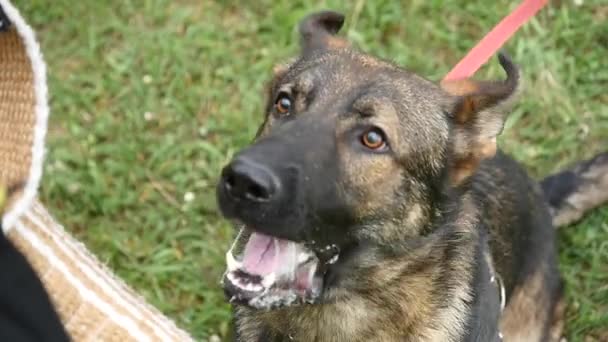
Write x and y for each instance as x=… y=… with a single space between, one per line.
x=236 y=281
x=333 y=259
x=303 y=257
x=231 y=262
x=311 y=274
x=252 y=287
x=269 y=279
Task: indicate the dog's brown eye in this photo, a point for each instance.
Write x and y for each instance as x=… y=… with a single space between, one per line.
x=283 y=104
x=373 y=139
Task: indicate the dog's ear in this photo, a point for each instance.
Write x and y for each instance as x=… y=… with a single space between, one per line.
x=318 y=31
x=475 y=119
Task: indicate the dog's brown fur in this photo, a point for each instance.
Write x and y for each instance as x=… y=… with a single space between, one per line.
x=427 y=214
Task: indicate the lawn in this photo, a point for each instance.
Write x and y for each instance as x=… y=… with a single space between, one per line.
x=151 y=98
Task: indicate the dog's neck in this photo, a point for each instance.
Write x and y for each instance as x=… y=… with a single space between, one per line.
x=442 y=291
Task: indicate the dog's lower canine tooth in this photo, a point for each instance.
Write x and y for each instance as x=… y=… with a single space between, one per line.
x=269 y=279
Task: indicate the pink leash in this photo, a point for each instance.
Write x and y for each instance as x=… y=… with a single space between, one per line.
x=494 y=39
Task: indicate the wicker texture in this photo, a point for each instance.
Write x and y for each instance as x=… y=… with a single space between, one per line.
x=17 y=115
x=94 y=305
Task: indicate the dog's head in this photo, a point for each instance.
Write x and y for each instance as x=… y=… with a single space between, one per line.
x=354 y=151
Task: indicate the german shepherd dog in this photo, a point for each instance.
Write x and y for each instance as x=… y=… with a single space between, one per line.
x=374 y=205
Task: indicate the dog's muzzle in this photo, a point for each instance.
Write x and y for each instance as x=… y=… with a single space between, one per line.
x=280 y=256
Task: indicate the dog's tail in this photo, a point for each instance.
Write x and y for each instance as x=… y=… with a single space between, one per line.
x=574 y=191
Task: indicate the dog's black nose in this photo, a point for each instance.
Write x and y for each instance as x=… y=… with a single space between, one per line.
x=246 y=180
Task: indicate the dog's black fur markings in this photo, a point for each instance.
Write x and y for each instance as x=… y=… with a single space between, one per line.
x=572 y=192
x=425 y=224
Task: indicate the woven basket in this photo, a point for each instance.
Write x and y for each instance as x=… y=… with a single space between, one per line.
x=92 y=302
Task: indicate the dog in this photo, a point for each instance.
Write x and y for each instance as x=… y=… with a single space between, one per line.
x=374 y=205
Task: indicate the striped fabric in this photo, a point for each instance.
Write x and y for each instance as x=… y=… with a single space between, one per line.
x=92 y=302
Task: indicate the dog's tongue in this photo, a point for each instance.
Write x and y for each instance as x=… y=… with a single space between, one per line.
x=264 y=254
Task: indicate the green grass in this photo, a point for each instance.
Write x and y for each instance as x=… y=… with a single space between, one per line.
x=150 y=98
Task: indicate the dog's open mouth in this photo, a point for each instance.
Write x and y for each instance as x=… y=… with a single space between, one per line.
x=265 y=272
